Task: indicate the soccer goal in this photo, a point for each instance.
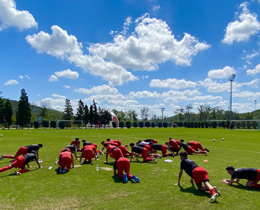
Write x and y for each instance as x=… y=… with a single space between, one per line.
x=17 y=127
x=69 y=124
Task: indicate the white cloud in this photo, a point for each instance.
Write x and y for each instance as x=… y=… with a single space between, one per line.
x=205 y=98
x=58 y=96
x=21 y=77
x=150 y=44
x=214 y=86
x=145 y=77
x=66 y=86
x=11 y=17
x=156 y=7
x=252 y=55
x=247 y=94
x=253 y=71
x=67 y=74
x=60 y=44
x=11 y=82
x=144 y=94
x=174 y=96
x=172 y=83
x=224 y=73
x=27 y=77
x=104 y=89
x=53 y=78
x=241 y=30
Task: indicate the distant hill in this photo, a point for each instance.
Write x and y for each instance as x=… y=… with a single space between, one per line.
x=51 y=114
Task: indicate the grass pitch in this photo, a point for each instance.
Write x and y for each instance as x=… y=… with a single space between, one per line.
x=85 y=188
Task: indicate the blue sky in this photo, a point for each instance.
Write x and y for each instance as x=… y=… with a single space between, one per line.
x=131 y=54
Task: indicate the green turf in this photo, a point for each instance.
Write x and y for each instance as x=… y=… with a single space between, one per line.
x=84 y=188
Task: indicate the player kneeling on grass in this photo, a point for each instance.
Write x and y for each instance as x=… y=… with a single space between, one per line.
x=123 y=165
x=88 y=152
x=251 y=174
x=198 y=174
x=21 y=161
x=65 y=161
x=196 y=145
x=141 y=150
x=24 y=150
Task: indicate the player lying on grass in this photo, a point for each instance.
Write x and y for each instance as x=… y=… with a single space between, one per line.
x=24 y=150
x=21 y=161
x=149 y=148
x=140 y=150
x=65 y=161
x=196 y=146
x=88 y=152
x=76 y=143
x=189 y=149
x=251 y=174
x=154 y=141
x=123 y=165
x=197 y=174
x=173 y=145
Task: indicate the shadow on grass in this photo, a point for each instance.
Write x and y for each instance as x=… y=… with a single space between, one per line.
x=14 y=174
x=117 y=180
x=243 y=187
x=195 y=191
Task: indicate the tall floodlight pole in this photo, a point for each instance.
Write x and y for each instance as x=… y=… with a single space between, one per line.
x=231 y=79
x=255 y=104
x=162 y=112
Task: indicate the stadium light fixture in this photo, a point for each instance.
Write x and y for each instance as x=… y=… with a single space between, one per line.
x=231 y=79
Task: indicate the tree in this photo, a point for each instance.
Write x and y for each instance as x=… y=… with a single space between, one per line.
x=80 y=111
x=86 y=115
x=144 y=113
x=119 y=114
x=95 y=113
x=91 y=115
x=188 y=108
x=23 y=113
x=8 y=113
x=68 y=110
x=105 y=117
x=43 y=112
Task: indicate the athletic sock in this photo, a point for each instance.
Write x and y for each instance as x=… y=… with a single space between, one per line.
x=9 y=156
x=212 y=191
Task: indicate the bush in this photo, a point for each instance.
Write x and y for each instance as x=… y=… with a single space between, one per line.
x=214 y=124
x=243 y=124
x=207 y=124
x=159 y=124
x=147 y=124
x=254 y=124
x=141 y=124
x=195 y=124
x=114 y=124
x=53 y=124
x=185 y=124
x=199 y=124
x=192 y=124
x=203 y=124
x=165 y=124
x=45 y=123
x=36 y=124
x=248 y=124
x=238 y=125
x=128 y=124
x=121 y=124
x=61 y=125
x=135 y=124
x=153 y=125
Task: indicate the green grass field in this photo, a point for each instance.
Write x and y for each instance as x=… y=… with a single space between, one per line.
x=85 y=188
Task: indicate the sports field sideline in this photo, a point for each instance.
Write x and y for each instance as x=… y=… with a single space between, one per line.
x=84 y=188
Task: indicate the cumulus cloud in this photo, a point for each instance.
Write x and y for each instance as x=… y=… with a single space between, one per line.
x=67 y=74
x=21 y=77
x=247 y=94
x=144 y=94
x=53 y=78
x=27 y=77
x=11 y=17
x=11 y=82
x=172 y=83
x=214 y=86
x=253 y=71
x=240 y=30
x=62 y=45
x=104 y=89
x=156 y=7
x=224 y=73
x=151 y=43
x=66 y=86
